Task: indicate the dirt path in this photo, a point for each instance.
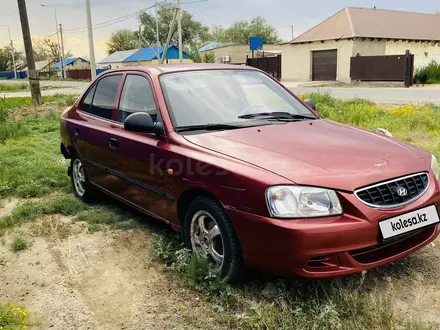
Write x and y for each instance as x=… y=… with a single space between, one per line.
x=97 y=281
x=106 y=280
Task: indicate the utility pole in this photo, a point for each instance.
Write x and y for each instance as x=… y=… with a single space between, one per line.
x=12 y=51
x=62 y=51
x=179 y=29
x=139 y=45
x=292 y=31
x=34 y=83
x=60 y=58
x=157 y=35
x=170 y=33
x=91 y=46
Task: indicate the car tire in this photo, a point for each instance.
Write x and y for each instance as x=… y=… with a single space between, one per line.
x=82 y=187
x=220 y=244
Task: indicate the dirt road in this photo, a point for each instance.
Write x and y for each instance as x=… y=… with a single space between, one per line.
x=97 y=281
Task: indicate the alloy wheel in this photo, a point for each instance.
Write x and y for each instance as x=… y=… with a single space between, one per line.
x=206 y=237
x=79 y=177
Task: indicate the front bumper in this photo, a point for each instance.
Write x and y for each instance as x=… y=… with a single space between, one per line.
x=331 y=246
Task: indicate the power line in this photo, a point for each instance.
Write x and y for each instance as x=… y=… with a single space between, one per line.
x=112 y=21
x=198 y=11
x=6 y=16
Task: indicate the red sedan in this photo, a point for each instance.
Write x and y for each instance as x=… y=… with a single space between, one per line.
x=251 y=175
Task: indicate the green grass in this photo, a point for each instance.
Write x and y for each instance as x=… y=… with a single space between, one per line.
x=7 y=88
x=30 y=162
x=13 y=317
x=64 y=204
x=297 y=304
x=20 y=242
x=105 y=216
x=418 y=125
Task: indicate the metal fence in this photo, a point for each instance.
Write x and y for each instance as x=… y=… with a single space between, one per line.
x=383 y=68
x=271 y=65
x=82 y=74
x=10 y=75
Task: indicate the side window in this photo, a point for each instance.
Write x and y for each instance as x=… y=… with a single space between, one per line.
x=137 y=96
x=87 y=102
x=105 y=95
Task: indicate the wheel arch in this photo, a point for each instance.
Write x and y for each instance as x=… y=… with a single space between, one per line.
x=189 y=195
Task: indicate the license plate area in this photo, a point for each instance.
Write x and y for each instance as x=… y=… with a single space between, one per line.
x=408 y=222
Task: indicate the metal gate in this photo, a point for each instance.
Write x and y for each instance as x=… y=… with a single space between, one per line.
x=271 y=65
x=324 y=64
x=383 y=68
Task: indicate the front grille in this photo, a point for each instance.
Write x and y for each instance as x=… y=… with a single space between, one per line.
x=386 y=194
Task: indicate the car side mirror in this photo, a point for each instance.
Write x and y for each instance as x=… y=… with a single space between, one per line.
x=142 y=122
x=311 y=104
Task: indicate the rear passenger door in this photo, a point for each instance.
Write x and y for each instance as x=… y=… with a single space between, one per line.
x=93 y=138
x=140 y=156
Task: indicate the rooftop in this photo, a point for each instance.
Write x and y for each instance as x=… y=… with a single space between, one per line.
x=353 y=22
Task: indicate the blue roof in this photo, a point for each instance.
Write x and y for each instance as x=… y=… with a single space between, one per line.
x=214 y=45
x=67 y=61
x=148 y=55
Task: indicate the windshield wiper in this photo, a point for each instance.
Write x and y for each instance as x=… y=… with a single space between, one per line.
x=207 y=127
x=275 y=115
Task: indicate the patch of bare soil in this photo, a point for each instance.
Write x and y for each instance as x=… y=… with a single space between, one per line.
x=413 y=283
x=97 y=281
x=7 y=205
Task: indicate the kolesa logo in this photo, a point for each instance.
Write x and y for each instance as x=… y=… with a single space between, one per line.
x=401 y=191
x=398 y=225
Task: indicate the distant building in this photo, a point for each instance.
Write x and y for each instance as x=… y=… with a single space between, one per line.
x=73 y=63
x=236 y=54
x=147 y=56
x=324 y=52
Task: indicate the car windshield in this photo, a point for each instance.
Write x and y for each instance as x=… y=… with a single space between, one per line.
x=209 y=97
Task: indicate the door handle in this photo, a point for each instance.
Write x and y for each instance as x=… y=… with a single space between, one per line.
x=76 y=131
x=113 y=143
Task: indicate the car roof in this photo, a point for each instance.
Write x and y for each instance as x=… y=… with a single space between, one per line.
x=167 y=68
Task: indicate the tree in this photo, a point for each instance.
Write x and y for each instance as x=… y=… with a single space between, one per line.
x=47 y=49
x=122 y=40
x=208 y=57
x=193 y=32
x=217 y=33
x=6 y=58
x=240 y=31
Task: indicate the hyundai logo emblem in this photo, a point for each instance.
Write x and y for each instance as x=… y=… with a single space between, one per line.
x=401 y=191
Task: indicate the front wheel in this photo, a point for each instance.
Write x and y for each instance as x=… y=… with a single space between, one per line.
x=209 y=232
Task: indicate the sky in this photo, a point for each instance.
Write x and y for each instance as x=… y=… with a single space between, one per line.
x=280 y=13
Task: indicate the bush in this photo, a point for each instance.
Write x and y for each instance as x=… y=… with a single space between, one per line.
x=20 y=242
x=429 y=74
x=13 y=317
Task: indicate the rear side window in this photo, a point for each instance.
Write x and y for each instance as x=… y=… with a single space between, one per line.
x=105 y=94
x=87 y=103
x=137 y=96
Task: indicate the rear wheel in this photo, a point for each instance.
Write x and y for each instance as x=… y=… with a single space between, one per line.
x=80 y=181
x=209 y=232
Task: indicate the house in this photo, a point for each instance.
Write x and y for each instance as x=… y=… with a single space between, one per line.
x=235 y=53
x=73 y=63
x=147 y=56
x=115 y=60
x=324 y=52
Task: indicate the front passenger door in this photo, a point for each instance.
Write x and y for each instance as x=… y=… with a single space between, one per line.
x=139 y=156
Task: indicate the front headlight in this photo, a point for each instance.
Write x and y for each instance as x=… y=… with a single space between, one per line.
x=435 y=167
x=302 y=202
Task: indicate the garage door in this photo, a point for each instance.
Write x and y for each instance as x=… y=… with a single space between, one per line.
x=324 y=64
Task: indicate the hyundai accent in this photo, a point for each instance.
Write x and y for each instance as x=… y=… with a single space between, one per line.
x=250 y=175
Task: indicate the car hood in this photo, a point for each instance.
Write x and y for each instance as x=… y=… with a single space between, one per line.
x=319 y=153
